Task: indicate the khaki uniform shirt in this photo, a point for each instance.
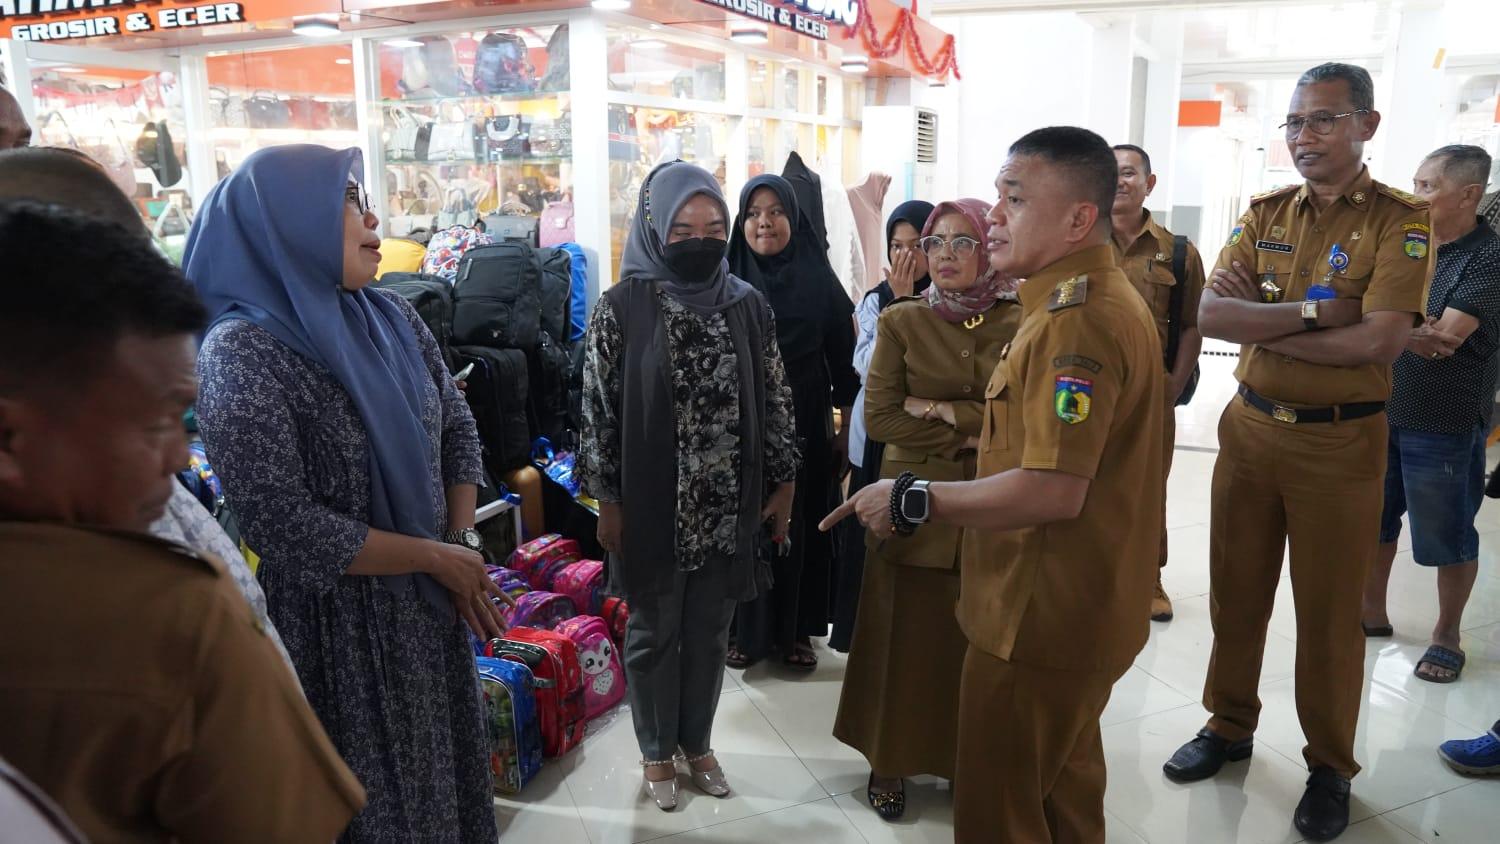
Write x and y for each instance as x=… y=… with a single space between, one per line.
x=1385 y=235
x=1079 y=391
x=139 y=692
x=1147 y=262
x=918 y=353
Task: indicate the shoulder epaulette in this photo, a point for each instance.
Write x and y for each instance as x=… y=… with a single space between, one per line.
x=1401 y=196
x=1261 y=197
x=1069 y=292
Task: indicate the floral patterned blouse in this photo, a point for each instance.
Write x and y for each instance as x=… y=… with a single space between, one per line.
x=705 y=392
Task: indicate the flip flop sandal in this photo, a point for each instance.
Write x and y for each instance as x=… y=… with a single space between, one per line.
x=1377 y=631
x=737 y=660
x=796 y=658
x=1441 y=657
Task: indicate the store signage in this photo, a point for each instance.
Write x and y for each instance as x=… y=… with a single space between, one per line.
x=786 y=13
x=171 y=17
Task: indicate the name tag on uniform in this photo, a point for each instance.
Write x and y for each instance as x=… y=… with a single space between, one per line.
x=1274 y=246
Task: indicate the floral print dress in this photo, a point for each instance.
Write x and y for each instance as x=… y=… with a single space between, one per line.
x=393 y=683
x=706 y=403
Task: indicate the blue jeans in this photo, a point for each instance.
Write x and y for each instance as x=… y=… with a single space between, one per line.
x=1438 y=479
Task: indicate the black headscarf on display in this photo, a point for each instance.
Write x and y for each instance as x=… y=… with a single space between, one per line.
x=915 y=212
x=799 y=282
x=809 y=189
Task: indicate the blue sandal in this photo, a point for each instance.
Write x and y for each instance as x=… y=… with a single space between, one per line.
x=1441 y=657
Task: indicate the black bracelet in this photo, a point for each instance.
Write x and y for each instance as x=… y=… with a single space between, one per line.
x=899 y=524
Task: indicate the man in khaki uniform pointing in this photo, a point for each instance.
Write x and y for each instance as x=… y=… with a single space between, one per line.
x=1321 y=283
x=1060 y=556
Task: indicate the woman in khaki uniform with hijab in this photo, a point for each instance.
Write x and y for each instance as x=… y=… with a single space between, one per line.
x=925 y=399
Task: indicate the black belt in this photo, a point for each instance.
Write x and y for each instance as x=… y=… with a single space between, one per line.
x=1296 y=415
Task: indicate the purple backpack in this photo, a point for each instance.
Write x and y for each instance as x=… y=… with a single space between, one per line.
x=540 y=611
x=603 y=675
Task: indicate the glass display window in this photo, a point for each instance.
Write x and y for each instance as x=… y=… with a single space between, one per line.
x=270 y=97
x=474 y=126
x=771 y=141
x=779 y=86
x=642 y=62
x=132 y=123
x=641 y=138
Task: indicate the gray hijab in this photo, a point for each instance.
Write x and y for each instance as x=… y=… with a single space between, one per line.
x=667 y=189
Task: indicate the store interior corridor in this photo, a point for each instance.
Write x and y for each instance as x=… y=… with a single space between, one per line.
x=796 y=784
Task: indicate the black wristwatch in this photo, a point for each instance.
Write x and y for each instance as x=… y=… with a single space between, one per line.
x=467 y=537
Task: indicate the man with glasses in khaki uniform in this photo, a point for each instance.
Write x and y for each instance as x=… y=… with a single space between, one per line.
x=1321 y=284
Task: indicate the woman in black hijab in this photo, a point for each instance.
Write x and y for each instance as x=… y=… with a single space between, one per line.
x=774 y=247
x=907 y=276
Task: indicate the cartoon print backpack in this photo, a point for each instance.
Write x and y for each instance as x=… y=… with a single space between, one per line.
x=511 y=582
x=603 y=674
x=446 y=248
x=539 y=559
x=580 y=581
x=502 y=65
x=539 y=611
x=510 y=722
x=553 y=660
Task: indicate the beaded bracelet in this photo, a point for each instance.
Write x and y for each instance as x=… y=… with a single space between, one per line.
x=899 y=524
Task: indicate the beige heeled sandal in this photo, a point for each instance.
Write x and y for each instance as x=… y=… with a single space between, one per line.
x=712 y=781
x=662 y=792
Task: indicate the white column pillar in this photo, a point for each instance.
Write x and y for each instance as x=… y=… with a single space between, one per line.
x=1412 y=94
x=18 y=76
x=590 y=72
x=203 y=172
x=1109 y=80
x=1163 y=94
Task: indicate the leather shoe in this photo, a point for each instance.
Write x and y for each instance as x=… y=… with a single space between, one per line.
x=1324 y=811
x=1202 y=757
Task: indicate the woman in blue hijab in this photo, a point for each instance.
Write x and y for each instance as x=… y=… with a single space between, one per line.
x=353 y=463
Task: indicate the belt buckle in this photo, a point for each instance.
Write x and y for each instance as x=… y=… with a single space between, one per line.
x=1283 y=414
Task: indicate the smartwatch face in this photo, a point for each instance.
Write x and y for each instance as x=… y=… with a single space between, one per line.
x=914 y=505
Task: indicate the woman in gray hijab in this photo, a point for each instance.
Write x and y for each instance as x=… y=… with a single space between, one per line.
x=690 y=447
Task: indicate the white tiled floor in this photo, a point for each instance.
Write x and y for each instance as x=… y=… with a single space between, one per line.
x=795 y=783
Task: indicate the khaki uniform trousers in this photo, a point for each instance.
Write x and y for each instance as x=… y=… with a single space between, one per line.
x=1169 y=443
x=1321 y=487
x=1030 y=761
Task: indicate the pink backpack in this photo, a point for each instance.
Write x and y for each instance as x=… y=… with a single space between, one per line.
x=603 y=675
x=539 y=611
x=538 y=559
x=556 y=225
x=581 y=581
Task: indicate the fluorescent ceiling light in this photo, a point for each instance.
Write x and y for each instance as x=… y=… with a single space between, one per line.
x=611 y=5
x=316 y=28
x=650 y=44
x=68 y=69
x=855 y=64
x=343 y=61
x=748 y=36
x=403 y=43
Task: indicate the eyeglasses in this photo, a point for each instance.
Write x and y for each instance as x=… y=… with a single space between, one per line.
x=355 y=193
x=963 y=247
x=1321 y=124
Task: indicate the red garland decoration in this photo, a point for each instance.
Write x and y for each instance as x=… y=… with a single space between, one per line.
x=904 y=33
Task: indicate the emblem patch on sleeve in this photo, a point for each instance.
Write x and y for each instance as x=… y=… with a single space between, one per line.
x=1234 y=235
x=1415 y=244
x=1072 y=398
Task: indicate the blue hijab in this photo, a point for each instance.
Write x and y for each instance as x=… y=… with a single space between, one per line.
x=267 y=248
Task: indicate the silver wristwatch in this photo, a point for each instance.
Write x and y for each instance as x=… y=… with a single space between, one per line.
x=467 y=537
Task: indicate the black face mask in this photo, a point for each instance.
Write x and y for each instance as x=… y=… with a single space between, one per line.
x=696 y=258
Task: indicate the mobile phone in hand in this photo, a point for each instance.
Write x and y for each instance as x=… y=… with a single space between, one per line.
x=463 y=374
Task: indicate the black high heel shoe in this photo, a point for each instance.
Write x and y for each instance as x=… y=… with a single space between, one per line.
x=891 y=805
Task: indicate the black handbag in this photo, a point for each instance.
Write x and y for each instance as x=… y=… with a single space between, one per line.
x=154 y=149
x=264 y=111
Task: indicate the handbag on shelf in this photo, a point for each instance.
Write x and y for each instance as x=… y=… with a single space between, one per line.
x=454 y=140
x=308 y=113
x=264 y=111
x=506 y=137
x=343 y=114
x=458 y=209
x=556 y=225
x=410 y=139
x=154 y=148
x=557 y=78
x=228 y=108
x=552 y=140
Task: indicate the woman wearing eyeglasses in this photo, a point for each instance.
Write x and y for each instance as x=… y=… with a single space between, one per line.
x=353 y=464
x=924 y=398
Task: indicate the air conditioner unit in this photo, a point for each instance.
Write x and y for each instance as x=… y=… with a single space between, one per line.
x=902 y=142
